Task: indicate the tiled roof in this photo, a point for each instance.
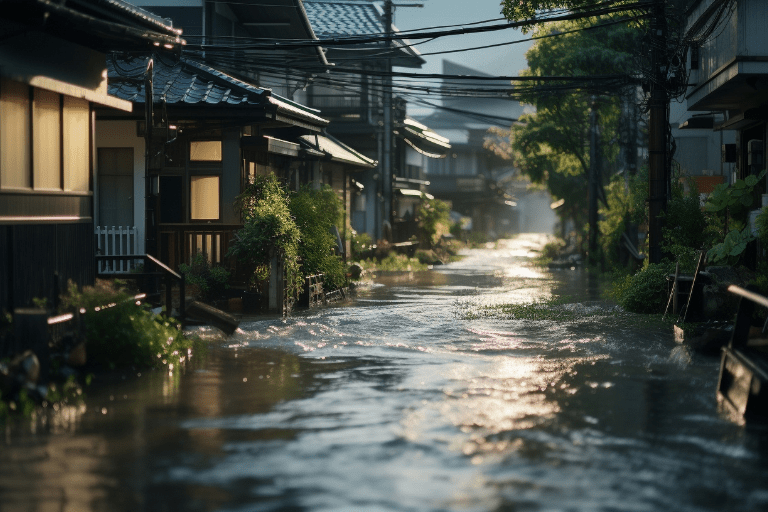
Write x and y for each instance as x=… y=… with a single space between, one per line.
x=185 y=82
x=333 y=18
x=188 y=82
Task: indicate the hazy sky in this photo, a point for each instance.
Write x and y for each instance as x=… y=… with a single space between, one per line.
x=504 y=60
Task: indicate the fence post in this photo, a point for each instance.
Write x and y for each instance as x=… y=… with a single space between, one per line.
x=183 y=299
x=30 y=328
x=168 y=295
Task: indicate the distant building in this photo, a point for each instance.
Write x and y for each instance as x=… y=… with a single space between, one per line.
x=728 y=80
x=479 y=184
x=354 y=102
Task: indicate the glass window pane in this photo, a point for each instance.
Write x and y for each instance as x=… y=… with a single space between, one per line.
x=205 y=151
x=76 y=144
x=204 y=197
x=46 y=142
x=15 y=165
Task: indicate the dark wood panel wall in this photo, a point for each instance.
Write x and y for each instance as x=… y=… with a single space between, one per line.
x=32 y=254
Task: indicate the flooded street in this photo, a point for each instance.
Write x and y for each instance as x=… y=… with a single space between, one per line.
x=420 y=394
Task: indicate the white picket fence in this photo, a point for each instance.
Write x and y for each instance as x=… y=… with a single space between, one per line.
x=116 y=241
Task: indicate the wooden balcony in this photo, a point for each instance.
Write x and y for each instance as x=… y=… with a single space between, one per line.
x=180 y=242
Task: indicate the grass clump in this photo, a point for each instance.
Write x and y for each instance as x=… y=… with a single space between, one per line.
x=121 y=332
x=544 y=310
x=394 y=262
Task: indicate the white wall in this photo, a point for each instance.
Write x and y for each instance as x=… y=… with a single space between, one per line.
x=122 y=134
x=699 y=150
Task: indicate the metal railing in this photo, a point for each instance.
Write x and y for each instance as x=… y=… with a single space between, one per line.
x=148 y=280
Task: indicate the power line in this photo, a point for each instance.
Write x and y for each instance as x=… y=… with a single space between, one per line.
x=357 y=40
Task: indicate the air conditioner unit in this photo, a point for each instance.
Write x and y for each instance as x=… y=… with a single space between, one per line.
x=755 y=153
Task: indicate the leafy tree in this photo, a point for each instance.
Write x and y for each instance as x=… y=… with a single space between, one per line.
x=552 y=146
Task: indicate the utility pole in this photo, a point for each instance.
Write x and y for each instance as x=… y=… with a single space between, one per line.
x=150 y=232
x=386 y=160
x=594 y=181
x=658 y=176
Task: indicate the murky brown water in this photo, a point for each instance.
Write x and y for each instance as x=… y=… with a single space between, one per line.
x=398 y=401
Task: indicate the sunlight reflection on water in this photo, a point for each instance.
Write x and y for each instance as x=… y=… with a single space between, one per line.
x=402 y=401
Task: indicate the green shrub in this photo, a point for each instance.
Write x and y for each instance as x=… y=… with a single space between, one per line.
x=317 y=212
x=121 y=333
x=267 y=225
x=551 y=250
x=730 y=250
x=761 y=223
x=734 y=201
x=361 y=244
x=434 y=220
x=685 y=228
x=646 y=290
x=399 y=262
x=211 y=280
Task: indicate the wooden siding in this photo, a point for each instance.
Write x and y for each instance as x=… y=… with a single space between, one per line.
x=33 y=253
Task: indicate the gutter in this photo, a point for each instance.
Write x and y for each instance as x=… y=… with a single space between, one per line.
x=305 y=20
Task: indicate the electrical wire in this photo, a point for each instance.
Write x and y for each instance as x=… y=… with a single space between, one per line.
x=610 y=8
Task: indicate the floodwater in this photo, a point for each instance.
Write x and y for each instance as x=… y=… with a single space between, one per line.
x=411 y=397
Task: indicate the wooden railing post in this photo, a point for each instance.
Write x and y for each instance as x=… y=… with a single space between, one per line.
x=168 y=294
x=183 y=299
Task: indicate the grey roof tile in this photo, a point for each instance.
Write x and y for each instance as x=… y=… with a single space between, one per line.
x=183 y=82
x=334 y=18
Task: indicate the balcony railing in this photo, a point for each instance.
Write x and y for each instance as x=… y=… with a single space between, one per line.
x=179 y=243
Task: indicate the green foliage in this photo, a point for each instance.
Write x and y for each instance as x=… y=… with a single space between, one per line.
x=729 y=251
x=434 y=220
x=122 y=333
x=645 y=291
x=735 y=200
x=317 y=212
x=729 y=205
x=550 y=251
x=211 y=280
x=543 y=310
x=551 y=147
x=399 y=262
x=477 y=238
x=361 y=243
x=626 y=206
x=761 y=223
x=685 y=227
x=267 y=225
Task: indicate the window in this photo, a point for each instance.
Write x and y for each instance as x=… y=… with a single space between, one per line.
x=46 y=122
x=15 y=169
x=76 y=144
x=204 y=197
x=45 y=140
x=205 y=151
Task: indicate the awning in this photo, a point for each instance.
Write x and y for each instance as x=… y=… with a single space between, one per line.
x=414 y=193
x=423 y=140
x=295 y=114
x=336 y=150
x=270 y=145
x=698 y=123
